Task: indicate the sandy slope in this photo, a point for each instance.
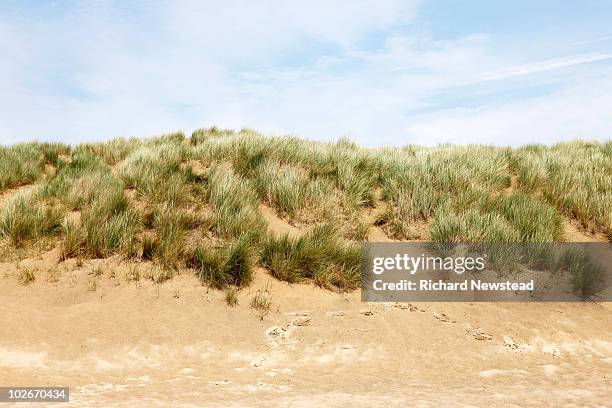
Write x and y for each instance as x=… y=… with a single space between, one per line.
x=177 y=344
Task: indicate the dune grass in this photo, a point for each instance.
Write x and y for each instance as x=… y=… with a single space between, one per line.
x=154 y=171
x=231 y=296
x=261 y=302
x=574 y=177
x=167 y=246
x=221 y=267
x=195 y=202
x=318 y=255
x=24 y=163
x=25 y=219
x=235 y=204
x=284 y=187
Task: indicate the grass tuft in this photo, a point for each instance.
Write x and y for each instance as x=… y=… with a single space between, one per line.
x=26 y=275
x=220 y=267
x=231 y=296
x=24 y=219
x=235 y=204
x=261 y=302
x=318 y=255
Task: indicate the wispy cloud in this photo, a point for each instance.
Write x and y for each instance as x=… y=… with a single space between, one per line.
x=541 y=66
x=594 y=40
x=371 y=71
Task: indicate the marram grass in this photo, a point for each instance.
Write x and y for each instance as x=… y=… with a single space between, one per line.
x=195 y=202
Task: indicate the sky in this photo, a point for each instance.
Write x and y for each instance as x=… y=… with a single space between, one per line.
x=381 y=72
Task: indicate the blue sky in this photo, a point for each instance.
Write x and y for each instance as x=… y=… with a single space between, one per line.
x=379 y=72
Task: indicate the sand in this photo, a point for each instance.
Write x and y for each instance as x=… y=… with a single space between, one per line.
x=129 y=344
x=123 y=344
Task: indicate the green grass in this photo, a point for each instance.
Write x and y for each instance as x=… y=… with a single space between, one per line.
x=587 y=277
x=284 y=187
x=535 y=220
x=574 y=177
x=195 y=202
x=24 y=163
x=25 y=219
x=170 y=224
x=110 y=225
x=231 y=296
x=26 y=275
x=111 y=152
x=155 y=171
x=261 y=302
x=318 y=255
x=73 y=239
x=235 y=204
x=230 y=265
x=471 y=226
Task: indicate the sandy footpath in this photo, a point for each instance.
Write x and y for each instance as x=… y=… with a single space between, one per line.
x=129 y=344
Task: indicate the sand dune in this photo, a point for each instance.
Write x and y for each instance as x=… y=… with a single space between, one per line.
x=179 y=344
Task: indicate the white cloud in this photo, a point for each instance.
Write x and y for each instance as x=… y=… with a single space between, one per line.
x=282 y=68
x=578 y=112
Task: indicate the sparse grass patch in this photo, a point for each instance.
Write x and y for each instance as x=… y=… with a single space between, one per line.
x=98 y=271
x=261 y=302
x=231 y=296
x=53 y=275
x=160 y=274
x=92 y=285
x=356 y=230
x=132 y=274
x=25 y=275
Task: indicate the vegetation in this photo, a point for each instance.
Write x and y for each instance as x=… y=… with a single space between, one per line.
x=195 y=202
x=231 y=296
x=587 y=277
x=231 y=265
x=261 y=302
x=26 y=275
x=318 y=255
x=24 y=219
